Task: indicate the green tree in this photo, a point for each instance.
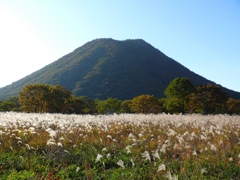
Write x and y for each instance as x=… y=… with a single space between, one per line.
x=88 y=106
x=125 y=106
x=101 y=106
x=111 y=105
x=161 y=103
x=209 y=98
x=145 y=104
x=10 y=104
x=177 y=93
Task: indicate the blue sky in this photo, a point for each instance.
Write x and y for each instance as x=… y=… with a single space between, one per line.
x=202 y=35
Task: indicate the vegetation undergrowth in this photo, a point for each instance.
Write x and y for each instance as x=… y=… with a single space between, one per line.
x=125 y=146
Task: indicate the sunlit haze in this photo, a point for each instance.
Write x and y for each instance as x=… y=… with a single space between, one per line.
x=202 y=35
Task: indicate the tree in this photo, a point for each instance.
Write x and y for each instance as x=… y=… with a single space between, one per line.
x=58 y=99
x=125 y=106
x=177 y=93
x=34 y=98
x=10 y=104
x=161 y=103
x=111 y=105
x=144 y=104
x=209 y=98
x=101 y=106
x=40 y=98
x=88 y=106
x=74 y=105
x=233 y=106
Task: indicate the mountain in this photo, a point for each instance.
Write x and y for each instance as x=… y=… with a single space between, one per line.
x=105 y=68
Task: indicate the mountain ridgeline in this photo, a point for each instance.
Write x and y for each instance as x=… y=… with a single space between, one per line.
x=105 y=68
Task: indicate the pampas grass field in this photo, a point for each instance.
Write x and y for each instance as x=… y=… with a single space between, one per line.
x=124 y=146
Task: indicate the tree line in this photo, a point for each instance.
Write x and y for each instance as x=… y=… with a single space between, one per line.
x=181 y=97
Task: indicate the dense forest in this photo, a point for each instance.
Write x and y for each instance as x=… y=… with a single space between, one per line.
x=181 y=96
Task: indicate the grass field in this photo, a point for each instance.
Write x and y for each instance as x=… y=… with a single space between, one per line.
x=125 y=146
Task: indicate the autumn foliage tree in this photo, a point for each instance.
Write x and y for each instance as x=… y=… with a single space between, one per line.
x=209 y=99
x=41 y=98
x=34 y=98
x=145 y=104
x=233 y=106
x=58 y=99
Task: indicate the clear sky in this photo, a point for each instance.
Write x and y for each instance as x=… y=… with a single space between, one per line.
x=202 y=35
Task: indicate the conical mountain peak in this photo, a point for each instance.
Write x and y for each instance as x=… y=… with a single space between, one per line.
x=104 y=68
